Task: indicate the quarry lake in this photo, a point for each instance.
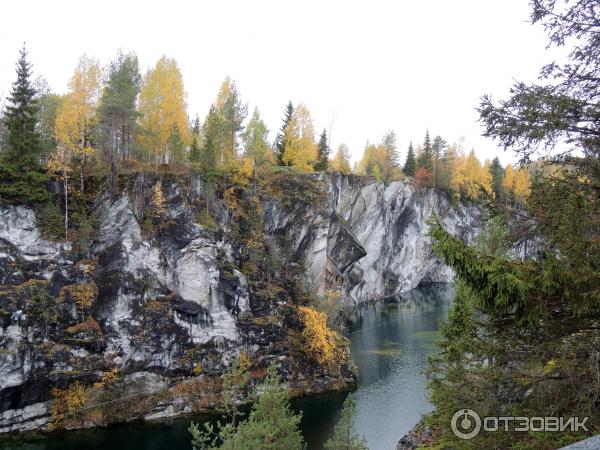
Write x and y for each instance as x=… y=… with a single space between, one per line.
x=390 y=344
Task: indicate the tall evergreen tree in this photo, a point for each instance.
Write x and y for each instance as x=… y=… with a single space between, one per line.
x=345 y=436
x=410 y=166
x=524 y=336
x=439 y=149
x=425 y=159
x=497 y=173
x=282 y=136
x=21 y=175
x=322 y=162
x=391 y=157
x=195 y=154
x=254 y=137
x=211 y=140
x=117 y=112
x=232 y=113
x=271 y=425
x=176 y=145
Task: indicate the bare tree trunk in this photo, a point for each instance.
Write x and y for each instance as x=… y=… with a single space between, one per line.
x=82 y=163
x=81 y=175
x=66 y=205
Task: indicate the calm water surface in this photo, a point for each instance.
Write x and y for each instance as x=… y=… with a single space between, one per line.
x=390 y=344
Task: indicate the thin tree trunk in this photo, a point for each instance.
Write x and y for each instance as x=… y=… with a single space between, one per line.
x=81 y=175
x=82 y=163
x=66 y=206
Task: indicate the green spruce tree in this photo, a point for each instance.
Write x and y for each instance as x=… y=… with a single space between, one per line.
x=195 y=153
x=176 y=146
x=322 y=162
x=211 y=147
x=283 y=133
x=523 y=336
x=425 y=159
x=21 y=176
x=255 y=142
x=410 y=166
x=271 y=424
x=345 y=436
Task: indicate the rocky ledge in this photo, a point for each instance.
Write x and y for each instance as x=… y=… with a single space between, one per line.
x=143 y=320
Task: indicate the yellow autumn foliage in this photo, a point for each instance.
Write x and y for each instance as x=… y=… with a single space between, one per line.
x=158 y=200
x=517 y=183
x=76 y=115
x=245 y=361
x=300 y=147
x=341 y=160
x=66 y=402
x=242 y=170
x=162 y=110
x=373 y=161
x=75 y=121
x=319 y=340
x=82 y=293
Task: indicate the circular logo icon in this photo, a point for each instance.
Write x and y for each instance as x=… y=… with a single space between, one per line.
x=466 y=424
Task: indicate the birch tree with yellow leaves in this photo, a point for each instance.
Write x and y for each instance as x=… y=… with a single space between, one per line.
x=341 y=160
x=373 y=161
x=300 y=147
x=163 y=116
x=76 y=118
x=468 y=176
x=59 y=163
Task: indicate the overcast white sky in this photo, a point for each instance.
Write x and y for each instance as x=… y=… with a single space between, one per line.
x=368 y=66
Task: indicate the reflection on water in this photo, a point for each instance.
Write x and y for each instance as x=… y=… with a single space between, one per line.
x=390 y=344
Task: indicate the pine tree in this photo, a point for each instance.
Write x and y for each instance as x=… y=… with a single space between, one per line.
x=117 y=112
x=425 y=159
x=322 y=163
x=271 y=425
x=410 y=166
x=345 y=436
x=21 y=175
x=283 y=133
x=195 y=154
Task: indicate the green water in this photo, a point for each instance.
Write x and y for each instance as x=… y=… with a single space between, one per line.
x=390 y=344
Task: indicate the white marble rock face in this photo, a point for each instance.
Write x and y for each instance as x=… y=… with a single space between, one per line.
x=371 y=238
